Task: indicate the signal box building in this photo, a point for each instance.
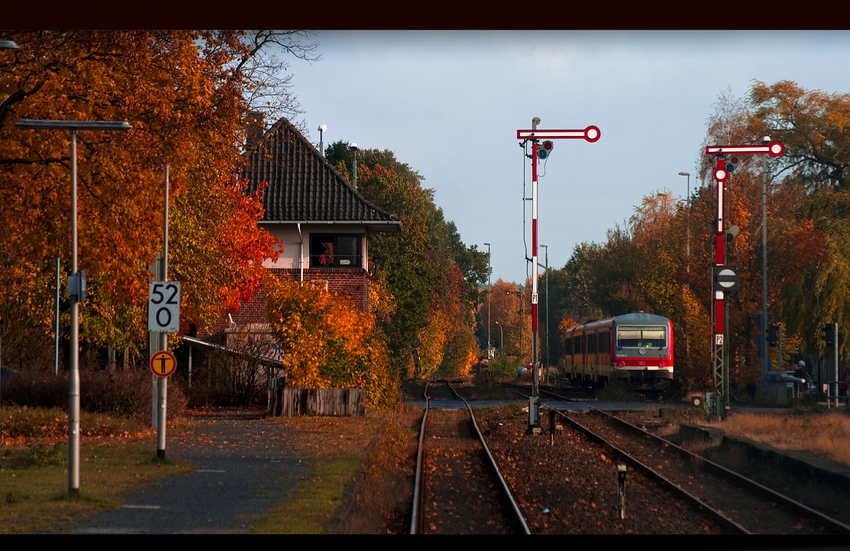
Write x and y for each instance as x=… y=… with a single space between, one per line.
x=321 y=219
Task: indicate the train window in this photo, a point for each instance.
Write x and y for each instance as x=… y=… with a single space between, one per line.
x=641 y=337
x=605 y=342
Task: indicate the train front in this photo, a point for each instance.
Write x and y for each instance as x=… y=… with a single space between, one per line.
x=643 y=351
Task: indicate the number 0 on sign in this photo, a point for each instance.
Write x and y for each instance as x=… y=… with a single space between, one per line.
x=164 y=306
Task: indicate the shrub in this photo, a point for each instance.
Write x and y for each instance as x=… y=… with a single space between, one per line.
x=504 y=366
x=120 y=393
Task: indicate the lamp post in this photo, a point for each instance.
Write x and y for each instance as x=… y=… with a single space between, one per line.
x=353 y=147
x=688 y=174
x=501 y=336
x=489 y=355
x=688 y=269
x=75 y=289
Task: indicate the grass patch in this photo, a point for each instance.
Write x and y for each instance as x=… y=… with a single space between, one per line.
x=34 y=474
x=827 y=435
x=318 y=499
x=335 y=449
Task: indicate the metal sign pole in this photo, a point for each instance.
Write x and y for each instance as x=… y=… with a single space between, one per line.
x=74 y=371
x=835 y=362
x=162 y=382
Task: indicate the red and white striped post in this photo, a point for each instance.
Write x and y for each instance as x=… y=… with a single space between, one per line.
x=591 y=134
x=721 y=370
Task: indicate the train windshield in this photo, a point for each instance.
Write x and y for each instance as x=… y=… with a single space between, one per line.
x=634 y=336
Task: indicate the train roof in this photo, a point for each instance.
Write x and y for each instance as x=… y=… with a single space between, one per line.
x=634 y=317
x=640 y=317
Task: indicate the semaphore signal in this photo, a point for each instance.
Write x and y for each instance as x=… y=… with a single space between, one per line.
x=542 y=151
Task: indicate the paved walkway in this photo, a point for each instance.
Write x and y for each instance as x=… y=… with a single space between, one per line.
x=244 y=469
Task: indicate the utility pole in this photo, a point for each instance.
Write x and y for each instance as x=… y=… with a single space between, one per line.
x=489 y=354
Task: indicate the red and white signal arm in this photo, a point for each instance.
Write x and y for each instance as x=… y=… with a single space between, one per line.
x=774 y=149
x=591 y=134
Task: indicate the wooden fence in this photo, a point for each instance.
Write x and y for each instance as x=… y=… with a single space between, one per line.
x=290 y=402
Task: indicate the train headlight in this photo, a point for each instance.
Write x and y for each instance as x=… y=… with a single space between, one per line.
x=621 y=363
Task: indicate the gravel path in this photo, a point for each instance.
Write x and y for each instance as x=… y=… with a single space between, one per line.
x=244 y=469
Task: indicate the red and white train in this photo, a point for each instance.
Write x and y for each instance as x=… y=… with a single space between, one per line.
x=634 y=348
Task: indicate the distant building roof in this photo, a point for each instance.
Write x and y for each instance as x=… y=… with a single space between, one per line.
x=303 y=186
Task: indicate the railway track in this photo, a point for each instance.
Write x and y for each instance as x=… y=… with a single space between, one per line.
x=458 y=488
x=738 y=502
x=734 y=502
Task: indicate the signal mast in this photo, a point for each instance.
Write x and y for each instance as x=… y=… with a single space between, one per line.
x=590 y=134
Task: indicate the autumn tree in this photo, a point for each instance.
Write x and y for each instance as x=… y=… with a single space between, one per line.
x=430 y=274
x=511 y=328
x=812 y=125
x=326 y=342
x=186 y=95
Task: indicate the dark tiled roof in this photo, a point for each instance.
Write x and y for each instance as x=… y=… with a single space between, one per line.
x=303 y=186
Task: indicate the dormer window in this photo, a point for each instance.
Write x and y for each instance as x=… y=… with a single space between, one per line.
x=336 y=250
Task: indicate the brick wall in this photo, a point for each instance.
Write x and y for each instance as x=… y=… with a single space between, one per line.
x=350 y=283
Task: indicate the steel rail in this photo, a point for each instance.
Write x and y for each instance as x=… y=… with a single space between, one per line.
x=738 y=479
x=418 y=493
x=645 y=469
x=504 y=487
x=417 y=482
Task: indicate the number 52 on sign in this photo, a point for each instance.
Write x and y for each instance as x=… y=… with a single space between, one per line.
x=164 y=306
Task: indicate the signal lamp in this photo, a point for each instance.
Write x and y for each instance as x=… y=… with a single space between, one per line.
x=544 y=149
x=731 y=162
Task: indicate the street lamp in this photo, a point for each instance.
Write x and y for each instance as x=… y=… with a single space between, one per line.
x=688 y=174
x=353 y=147
x=76 y=288
x=688 y=269
x=489 y=354
x=501 y=336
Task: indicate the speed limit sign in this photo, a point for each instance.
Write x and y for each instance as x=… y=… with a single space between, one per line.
x=164 y=306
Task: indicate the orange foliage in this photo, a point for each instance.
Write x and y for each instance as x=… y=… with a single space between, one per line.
x=325 y=340
x=179 y=91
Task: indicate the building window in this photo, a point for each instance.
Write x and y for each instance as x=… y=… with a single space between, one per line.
x=329 y=250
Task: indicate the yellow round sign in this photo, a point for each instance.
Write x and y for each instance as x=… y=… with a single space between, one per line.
x=163 y=363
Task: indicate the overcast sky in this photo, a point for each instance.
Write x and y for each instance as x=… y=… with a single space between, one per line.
x=449 y=104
